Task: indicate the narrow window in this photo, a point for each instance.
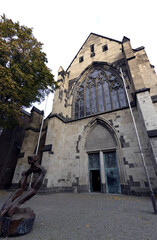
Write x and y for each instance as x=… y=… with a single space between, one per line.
x=93 y=98
x=92 y=51
x=105 y=48
x=122 y=98
x=80 y=59
x=76 y=109
x=114 y=99
x=87 y=96
x=107 y=96
x=100 y=97
x=92 y=48
x=81 y=107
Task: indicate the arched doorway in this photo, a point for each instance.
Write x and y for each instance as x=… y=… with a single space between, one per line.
x=101 y=147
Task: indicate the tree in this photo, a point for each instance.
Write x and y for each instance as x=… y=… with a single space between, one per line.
x=24 y=76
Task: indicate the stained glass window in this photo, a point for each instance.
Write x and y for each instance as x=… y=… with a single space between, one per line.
x=100 y=97
x=100 y=91
x=122 y=100
x=107 y=96
x=81 y=108
x=76 y=109
x=93 y=98
x=87 y=94
x=115 y=102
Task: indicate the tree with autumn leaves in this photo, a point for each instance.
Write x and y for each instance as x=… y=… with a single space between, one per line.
x=24 y=75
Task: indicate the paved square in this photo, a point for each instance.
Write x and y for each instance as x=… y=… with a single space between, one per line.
x=85 y=216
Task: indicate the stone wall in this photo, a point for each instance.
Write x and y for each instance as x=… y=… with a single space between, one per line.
x=68 y=165
x=29 y=143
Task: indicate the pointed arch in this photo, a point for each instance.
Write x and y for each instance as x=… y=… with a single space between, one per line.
x=105 y=124
x=95 y=126
x=98 y=89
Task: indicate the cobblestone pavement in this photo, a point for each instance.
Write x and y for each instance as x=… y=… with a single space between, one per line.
x=68 y=216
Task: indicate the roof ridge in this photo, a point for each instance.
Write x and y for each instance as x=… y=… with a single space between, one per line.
x=111 y=39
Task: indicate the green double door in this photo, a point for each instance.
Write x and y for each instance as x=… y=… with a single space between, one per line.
x=110 y=171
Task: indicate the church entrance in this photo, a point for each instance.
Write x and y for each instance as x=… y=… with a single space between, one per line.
x=95 y=181
x=94 y=172
x=101 y=147
x=104 y=165
x=111 y=173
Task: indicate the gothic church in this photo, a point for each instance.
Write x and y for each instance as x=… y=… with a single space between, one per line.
x=88 y=141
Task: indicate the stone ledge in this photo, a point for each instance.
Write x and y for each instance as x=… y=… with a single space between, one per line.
x=35 y=129
x=34 y=109
x=142 y=90
x=47 y=148
x=142 y=191
x=154 y=98
x=21 y=155
x=152 y=133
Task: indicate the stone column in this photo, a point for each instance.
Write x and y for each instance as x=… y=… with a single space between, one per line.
x=102 y=172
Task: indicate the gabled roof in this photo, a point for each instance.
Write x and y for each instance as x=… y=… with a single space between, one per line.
x=25 y=112
x=60 y=69
x=87 y=40
x=111 y=39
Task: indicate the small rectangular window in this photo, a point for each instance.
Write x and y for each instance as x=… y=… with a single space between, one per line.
x=80 y=59
x=92 y=54
x=92 y=48
x=105 y=48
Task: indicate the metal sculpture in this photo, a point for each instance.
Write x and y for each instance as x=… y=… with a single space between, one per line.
x=15 y=221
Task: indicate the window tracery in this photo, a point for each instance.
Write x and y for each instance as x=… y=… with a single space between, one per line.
x=100 y=91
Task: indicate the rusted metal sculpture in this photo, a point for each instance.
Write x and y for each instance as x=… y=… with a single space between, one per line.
x=15 y=221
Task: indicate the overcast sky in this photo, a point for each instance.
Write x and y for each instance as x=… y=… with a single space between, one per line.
x=63 y=25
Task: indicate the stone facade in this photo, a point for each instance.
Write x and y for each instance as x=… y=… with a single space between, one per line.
x=89 y=140
x=29 y=143
x=10 y=145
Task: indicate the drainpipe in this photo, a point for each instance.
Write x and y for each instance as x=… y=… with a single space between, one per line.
x=39 y=137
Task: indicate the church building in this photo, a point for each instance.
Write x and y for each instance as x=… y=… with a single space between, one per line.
x=88 y=142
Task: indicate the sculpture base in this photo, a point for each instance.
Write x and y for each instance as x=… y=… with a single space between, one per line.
x=19 y=224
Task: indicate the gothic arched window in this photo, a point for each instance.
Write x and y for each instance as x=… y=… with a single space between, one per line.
x=100 y=91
